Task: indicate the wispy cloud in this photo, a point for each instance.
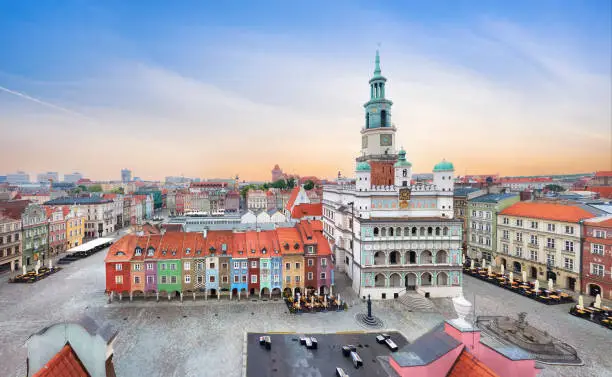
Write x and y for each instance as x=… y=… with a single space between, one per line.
x=485 y=97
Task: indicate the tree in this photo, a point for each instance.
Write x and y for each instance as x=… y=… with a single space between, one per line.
x=95 y=188
x=290 y=183
x=309 y=185
x=279 y=184
x=118 y=190
x=245 y=190
x=554 y=188
x=265 y=186
x=82 y=187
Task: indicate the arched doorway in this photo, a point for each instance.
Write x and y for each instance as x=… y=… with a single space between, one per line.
x=265 y=291
x=276 y=292
x=517 y=266
x=441 y=256
x=442 y=278
x=379 y=258
x=252 y=291
x=426 y=257
x=503 y=262
x=287 y=292
x=534 y=272
x=426 y=279
x=551 y=275
x=235 y=293
x=297 y=290
x=410 y=281
x=411 y=257
x=571 y=283
x=394 y=257
x=395 y=280
x=594 y=290
x=379 y=280
x=323 y=290
x=213 y=293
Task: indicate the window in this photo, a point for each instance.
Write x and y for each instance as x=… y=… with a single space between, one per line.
x=310 y=262
x=211 y=279
x=505 y=234
x=224 y=279
x=597 y=269
x=118 y=267
x=164 y=279
x=519 y=222
x=551 y=227
x=569 y=229
x=310 y=276
x=297 y=279
x=569 y=245
x=173 y=266
x=173 y=279
x=150 y=279
x=533 y=240
x=597 y=249
x=505 y=248
x=276 y=278
x=569 y=263
x=324 y=262
x=550 y=260
x=506 y=221
x=149 y=266
x=244 y=278
x=137 y=266
x=245 y=265
x=287 y=279
x=534 y=225
x=533 y=254
x=187 y=279
x=276 y=265
x=236 y=278
x=163 y=266
x=138 y=252
x=488 y=241
x=236 y=265
x=596 y=233
x=200 y=266
x=519 y=237
x=253 y=278
x=253 y=264
x=323 y=275
x=519 y=252
x=474 y=213
x=187 y=266
x=550 y=242
x=224 y=266
x=119 y=279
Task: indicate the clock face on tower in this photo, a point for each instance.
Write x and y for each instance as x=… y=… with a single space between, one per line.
x=364 y=141
x=386 y=140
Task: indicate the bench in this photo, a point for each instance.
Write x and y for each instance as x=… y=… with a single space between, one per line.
x=341 y=373
x=357 y=362
x=391 y=344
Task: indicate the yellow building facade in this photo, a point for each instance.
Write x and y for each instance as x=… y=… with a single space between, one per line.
x=75 y=228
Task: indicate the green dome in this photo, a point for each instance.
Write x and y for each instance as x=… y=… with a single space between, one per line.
x=401 y=160
x=444 y=166
x=363 y=166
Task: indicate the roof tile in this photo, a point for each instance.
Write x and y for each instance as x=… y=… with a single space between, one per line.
x=64 y=364
x=548 y=211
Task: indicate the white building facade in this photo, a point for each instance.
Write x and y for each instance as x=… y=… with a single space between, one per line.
x=390 y=234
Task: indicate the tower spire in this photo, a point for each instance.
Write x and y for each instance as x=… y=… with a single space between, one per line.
x=377 y=65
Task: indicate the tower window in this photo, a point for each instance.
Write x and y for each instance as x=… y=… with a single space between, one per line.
x=367 y=120
x=383 y=118
x=405 y=173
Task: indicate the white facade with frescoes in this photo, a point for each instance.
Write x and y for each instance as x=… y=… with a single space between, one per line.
x=389 y=233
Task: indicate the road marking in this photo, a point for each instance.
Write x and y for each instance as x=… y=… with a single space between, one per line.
x=351 y=332
x=280 y=332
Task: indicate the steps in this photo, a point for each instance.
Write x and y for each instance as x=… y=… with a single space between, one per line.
x=414 y=302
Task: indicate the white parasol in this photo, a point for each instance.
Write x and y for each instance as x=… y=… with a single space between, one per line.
x=484 y=263
x=524 y=276
x=25 y=269
x=536 y=286
x=489 y=270
x=550 y=285
x=598 y=301
x=503 y=269
x=472 y=264
x=511 y=277
x=580 y=302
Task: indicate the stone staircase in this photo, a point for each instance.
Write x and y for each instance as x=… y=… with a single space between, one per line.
x=414 y=302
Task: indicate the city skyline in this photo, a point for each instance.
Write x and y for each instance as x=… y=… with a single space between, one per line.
x=514 y=90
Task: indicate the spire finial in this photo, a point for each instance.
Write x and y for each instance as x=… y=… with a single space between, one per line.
x=377 y=62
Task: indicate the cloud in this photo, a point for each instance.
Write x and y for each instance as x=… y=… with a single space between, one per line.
x=485 y=97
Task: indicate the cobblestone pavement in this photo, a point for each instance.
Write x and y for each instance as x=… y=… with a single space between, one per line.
x=590 y=340
x=206 y=338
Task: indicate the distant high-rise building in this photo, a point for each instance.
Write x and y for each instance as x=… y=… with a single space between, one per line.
x=277 y=173
x=73 y=178
x=48 y=176
x=2 y=178
x=19 y=177
x=126 y=175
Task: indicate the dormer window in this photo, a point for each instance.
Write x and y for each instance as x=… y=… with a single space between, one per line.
x=286 y=246
x=263 y=251
x=224 y=247
x=252 y=251
x=119 y=253
x=188 y=251
x=296 y=246
x=240 y=252
x=174 y=253
x=163 y=252
x=150 y=252
x=198 y=252
x=211 y=249
x=138 y=252
x=275 y=251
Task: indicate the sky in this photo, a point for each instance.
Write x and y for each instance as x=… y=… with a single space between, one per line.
x=215 y=89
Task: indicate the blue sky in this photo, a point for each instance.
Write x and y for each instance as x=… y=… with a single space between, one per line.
x=168 y=87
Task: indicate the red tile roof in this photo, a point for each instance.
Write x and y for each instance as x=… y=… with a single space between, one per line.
x=603 y=221
x=123 y=249
x=64 y=364
x=603 y=191
x=303 y=210
x=294 y=194
x=468 y=365
x=548 y=211
x=526 y=180
x=603 y=173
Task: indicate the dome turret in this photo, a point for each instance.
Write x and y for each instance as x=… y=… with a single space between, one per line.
x=444 y=166
x=363 y=166
x=401 y=159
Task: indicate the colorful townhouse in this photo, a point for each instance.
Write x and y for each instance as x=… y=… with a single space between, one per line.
x=75 y=228
x=597 y=257
x=232 y=264
x=57 y=229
